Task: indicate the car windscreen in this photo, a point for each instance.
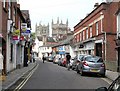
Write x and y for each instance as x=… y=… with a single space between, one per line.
x=93 y=59
x=81 y=57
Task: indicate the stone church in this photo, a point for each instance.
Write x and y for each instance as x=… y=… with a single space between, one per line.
x=59 y=30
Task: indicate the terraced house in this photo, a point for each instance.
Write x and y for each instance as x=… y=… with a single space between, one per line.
x=13 y=42
x=95 y=34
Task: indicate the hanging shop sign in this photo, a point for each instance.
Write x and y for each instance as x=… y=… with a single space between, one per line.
x=16 y=33
x=15 y=37
x=23 y=27
x=61 y=50
x=21 y=37
x=27 y=32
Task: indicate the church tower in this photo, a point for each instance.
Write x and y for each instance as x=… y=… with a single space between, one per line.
x=59 y=29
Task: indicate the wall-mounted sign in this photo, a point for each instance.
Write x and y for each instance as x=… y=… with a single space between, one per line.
x=16 y=33
x=21 y=37
x=27 y=32
x=15 y=37
x=24 y=27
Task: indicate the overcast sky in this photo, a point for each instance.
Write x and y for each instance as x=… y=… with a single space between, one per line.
x=45 y=10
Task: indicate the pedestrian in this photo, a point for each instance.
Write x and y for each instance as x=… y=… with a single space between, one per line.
x=68 y=57
x=43 y=58
x=33 y=57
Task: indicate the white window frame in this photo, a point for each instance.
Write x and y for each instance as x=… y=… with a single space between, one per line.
x=9 y=9
x=96 y=26
x=14 y=12
x=87 y=33
x=90 y=31
x=77 y=38
x=4 y=3
x=83 y=35
x=80 y=36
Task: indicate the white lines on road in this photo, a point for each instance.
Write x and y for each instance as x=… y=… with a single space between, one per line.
x=107 y=80
x=26 y=79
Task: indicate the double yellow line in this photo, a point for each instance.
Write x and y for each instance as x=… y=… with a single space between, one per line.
x=26 y=79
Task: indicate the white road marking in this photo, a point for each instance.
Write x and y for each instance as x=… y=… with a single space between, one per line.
x=107 y=80
x=26 y=79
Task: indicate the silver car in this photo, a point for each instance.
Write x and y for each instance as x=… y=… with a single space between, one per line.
x=91 y=64
x=77 y=60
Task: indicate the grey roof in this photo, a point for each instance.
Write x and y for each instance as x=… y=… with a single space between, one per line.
x=65 y=42
x=39 y=38
x=50 y=39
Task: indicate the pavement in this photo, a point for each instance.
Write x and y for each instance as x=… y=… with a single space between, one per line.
x=15 y=75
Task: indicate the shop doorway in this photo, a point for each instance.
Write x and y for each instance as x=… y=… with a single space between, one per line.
x=99 y=49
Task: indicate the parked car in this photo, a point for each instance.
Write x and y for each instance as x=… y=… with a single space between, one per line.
x=50 y=58
x=91 y=64
x=71 y=62
x=64 y=62
x=76 y=60
x=56 y=59
x=115 y=86
x=60 y=61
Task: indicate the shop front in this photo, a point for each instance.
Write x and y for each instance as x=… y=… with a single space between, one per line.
x=118 y=53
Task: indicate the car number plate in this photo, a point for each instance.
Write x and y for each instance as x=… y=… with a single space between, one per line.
x=94 y=70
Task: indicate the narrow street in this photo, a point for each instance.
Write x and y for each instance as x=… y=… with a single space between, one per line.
x=51 y=76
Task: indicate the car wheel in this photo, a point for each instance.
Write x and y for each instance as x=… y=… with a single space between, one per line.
x=72 y=68
x=103 y=75
x=78 y=71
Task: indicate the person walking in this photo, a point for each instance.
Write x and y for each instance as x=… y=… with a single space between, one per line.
x=68 y=57
x=43 y=58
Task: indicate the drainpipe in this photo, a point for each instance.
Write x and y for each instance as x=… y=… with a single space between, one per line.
x=105 y=41
x=105 y=38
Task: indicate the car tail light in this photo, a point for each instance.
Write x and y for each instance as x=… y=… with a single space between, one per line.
x=84 y=63
x=103 y=65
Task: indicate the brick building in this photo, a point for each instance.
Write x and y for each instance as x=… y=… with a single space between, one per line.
x=95 y=34
x=11 y=18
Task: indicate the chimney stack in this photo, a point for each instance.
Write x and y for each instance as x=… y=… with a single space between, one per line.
x=96 y=5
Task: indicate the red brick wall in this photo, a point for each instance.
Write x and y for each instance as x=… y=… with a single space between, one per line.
x=110 y=18
x=111 y=52
x=4 y=21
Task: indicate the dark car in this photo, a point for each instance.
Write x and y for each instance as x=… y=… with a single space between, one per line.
x=115 y=86
x=91 y=64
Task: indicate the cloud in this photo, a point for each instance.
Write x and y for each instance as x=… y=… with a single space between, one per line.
x=46 y=10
